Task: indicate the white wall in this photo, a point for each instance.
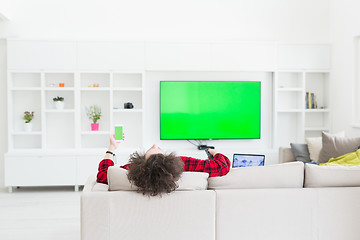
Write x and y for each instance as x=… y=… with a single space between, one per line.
x=3 y=109
x=162 y=20
x=344 y=26
x=284 y=20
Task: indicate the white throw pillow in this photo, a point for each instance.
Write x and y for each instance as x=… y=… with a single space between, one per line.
x=284 y=175
x=315 y=145
x=118 y=180
x=331 y=176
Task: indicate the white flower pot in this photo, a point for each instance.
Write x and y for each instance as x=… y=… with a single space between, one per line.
x=59 y=105
x=27 y=127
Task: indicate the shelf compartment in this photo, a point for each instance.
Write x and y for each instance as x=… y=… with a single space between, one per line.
x=25 y=80
x=95 y=89
x=27 y=133
x=290 y=100
x=26 y=101
x=67 y=95
x=317 y=110
x=26 y=89
x=127 y=89
x=127 y=110
x=27 y=141
x=127 y=80
x=99 y=98
x=290 y=80
x=121 y=97
x=89 y=79
x=95 y=141
x=60 y=110
x=309 y=129
x=60 y=131
x=95 y=133
x=318 y=84
x=59 y=89
x=317 y=122
x=290 y=89
x=289 y=110
x=54 y=79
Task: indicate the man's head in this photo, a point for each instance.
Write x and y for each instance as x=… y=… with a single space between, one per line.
x=155 y=172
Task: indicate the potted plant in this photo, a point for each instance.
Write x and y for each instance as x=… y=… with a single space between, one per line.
x=59 y=102
x=28 y=117
x=94 y=114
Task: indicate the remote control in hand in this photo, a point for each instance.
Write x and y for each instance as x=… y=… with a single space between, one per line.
x=211 y=157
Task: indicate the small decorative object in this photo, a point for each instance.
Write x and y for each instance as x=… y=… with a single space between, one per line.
x=28 y=117
x=89 y=85
x=95 y=85
x=94 y=114
x=59 y=102
x=128 y=105
x=52 y=85
x=61 y=84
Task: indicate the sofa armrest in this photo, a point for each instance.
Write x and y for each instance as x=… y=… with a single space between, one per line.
x=92 y=186
x=286 y=155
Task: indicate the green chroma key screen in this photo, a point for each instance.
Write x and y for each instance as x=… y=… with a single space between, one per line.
x=210 y=109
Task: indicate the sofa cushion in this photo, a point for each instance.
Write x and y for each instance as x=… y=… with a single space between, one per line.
x=285 y=175
x=333 y=146
x=301 y=152
x=315 y=145
x=118 y=180
x=331 y=176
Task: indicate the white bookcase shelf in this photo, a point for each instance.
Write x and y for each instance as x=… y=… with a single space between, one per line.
x=293 y=122
x=69 y=128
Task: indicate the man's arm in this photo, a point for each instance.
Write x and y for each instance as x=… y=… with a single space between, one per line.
x=219 y=166
x=108 y=161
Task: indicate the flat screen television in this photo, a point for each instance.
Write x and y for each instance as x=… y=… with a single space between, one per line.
x=210 y=110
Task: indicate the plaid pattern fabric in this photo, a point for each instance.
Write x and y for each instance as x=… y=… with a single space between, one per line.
x=219 y=166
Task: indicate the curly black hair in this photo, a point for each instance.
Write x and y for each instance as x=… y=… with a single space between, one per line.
x=156 y=175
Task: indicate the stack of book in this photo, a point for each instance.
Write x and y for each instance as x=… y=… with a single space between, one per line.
x=310 y=100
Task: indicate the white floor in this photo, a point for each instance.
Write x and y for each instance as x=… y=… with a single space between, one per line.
x=40 y=213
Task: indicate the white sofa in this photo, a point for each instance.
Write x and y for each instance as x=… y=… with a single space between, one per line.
x=259 y=203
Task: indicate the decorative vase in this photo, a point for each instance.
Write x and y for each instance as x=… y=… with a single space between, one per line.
x=94 y=127
x=27 y=127
x=59 y=105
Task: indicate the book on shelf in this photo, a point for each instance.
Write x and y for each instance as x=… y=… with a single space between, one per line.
x=310 y=100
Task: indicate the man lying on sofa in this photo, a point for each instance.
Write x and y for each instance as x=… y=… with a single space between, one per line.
x=156 y=172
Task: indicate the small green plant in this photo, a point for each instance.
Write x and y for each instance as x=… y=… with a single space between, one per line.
x=57 y=99
x=28 y=116
x=94 y=113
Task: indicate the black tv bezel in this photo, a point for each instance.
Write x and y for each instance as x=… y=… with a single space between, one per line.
x=206 y=138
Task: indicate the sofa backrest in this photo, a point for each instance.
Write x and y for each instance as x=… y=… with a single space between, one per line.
x=286 y=175
x=130 y=215
x=286 y=155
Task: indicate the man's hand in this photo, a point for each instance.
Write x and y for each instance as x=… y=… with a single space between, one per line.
x=113 y=143
x=212 y=151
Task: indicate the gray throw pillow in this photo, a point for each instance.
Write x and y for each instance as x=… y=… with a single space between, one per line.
x=301 y=152
x=333 y=147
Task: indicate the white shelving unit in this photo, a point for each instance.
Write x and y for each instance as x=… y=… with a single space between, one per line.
x=292 y=121
x=69 y=128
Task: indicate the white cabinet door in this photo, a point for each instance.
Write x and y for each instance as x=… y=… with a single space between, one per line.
x=244 y=56
x=111 y=55
x=25 y=54
x=40 y=171
x=304 y=56
x=177 y=56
